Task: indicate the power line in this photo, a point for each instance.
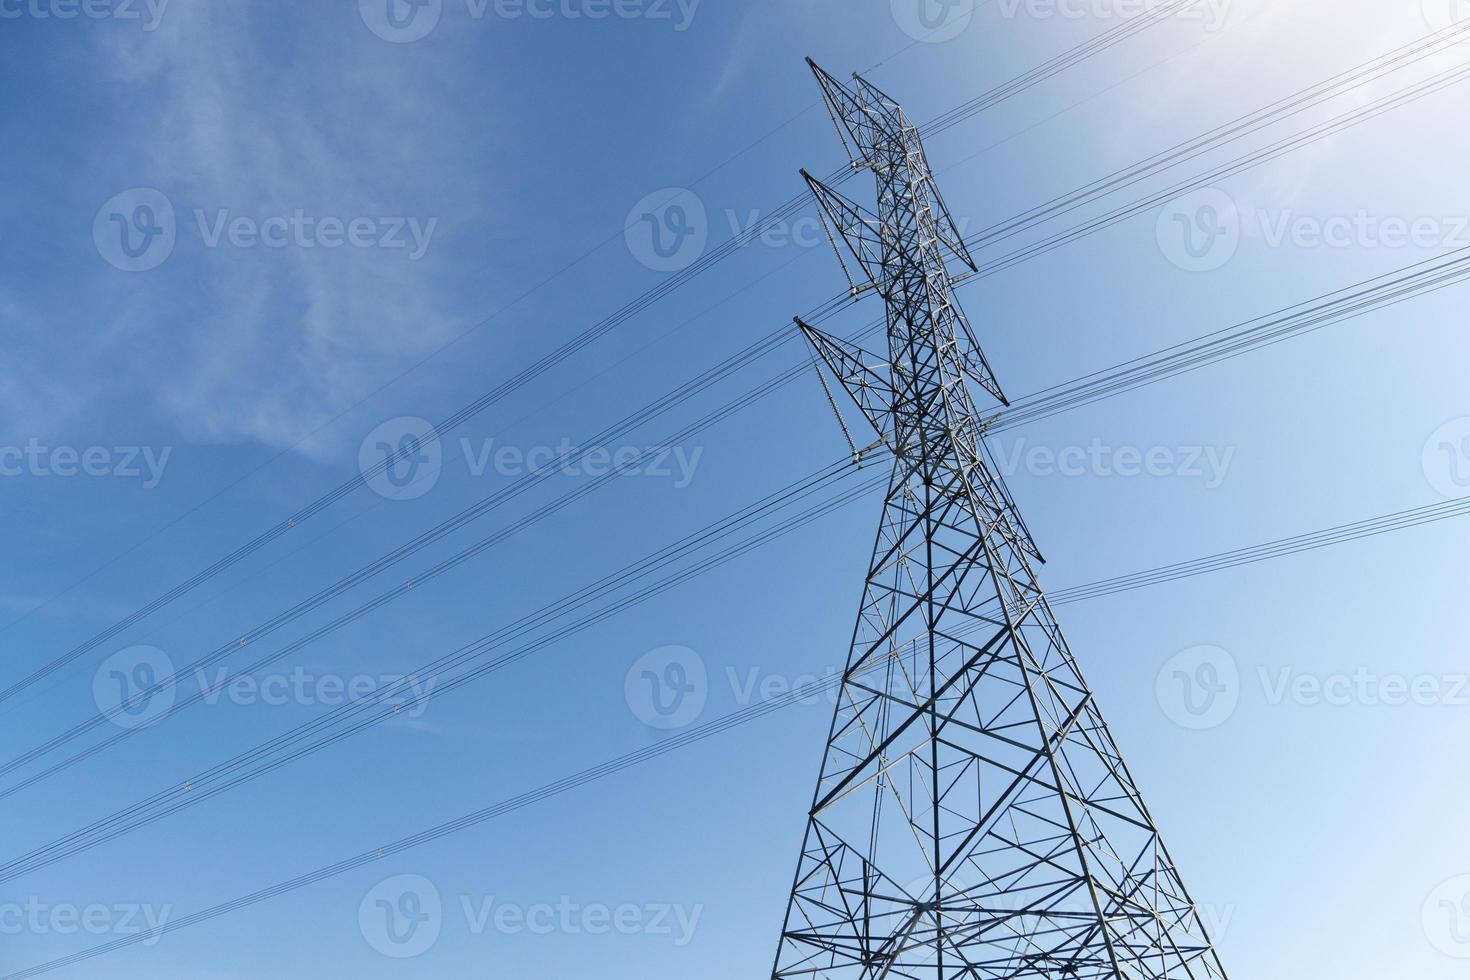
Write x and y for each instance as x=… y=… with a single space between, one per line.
x=1272 y=151
x=1337 y=306
x=1009 y=89
x=827 y=310
x=440 y=531
x=1285 y=546
x=1344 y=304
x=1336 y=86
x=353 y=716
x=1295 y=104
x=1331 y=88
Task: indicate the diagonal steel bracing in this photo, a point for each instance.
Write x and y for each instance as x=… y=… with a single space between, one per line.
x=973 y=817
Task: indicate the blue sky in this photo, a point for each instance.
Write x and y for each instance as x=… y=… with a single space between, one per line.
x=368 y=228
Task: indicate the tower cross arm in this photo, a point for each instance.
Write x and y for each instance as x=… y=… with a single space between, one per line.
x=859 y=228
x=868 y=386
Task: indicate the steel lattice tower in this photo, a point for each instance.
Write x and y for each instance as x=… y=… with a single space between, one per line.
x=974 y=817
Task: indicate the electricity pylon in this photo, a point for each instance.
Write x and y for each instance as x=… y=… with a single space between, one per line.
x=974 y=817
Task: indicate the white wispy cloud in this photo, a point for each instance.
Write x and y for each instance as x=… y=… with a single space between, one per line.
x=239 y=117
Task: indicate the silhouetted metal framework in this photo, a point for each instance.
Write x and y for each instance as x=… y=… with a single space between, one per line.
x=974 y=817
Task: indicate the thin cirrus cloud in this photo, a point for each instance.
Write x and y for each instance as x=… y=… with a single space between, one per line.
x=238 y=118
